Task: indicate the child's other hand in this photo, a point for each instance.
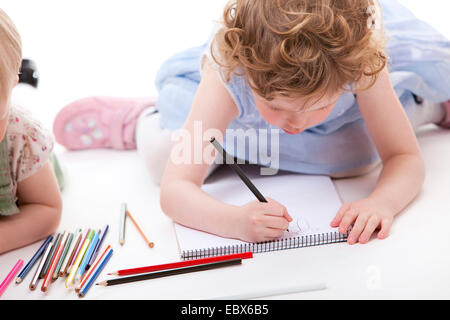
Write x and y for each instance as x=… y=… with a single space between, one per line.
x=366 y=216
x=262 y=221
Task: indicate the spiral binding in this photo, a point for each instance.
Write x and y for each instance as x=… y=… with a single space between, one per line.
x=267 y=246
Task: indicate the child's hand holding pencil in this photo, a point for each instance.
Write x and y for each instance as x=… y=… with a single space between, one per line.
x=262 y=221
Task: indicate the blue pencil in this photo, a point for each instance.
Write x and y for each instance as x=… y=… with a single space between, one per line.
x=86 y=257
x=97 y=247
x=95 y=274
x=33 y=260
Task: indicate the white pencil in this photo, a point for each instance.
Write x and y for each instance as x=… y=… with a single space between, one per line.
x=275 y=292
x=123 y=219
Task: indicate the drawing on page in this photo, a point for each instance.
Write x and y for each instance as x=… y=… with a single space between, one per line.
x=301 y=226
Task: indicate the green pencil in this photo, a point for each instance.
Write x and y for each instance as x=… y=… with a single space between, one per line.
x=63 y=256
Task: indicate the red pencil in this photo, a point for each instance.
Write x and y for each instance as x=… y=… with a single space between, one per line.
x=51 y=269
x=181 y=264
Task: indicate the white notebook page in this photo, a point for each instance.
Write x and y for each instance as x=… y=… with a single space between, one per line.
x=312 y=202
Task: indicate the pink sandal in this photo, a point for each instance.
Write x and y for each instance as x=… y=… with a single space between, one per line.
x=100 y=122
x=446 y=122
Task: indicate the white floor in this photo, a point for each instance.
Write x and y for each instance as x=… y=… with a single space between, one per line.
x=111 y=48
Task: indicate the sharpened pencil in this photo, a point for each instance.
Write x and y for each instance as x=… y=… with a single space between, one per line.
x=86 y=258
x=10 y=276
x=149 y=243
x=34 y=282
x=70 y=279
x=230 y=161
x=54 y=263
x=123 y=219
x=50 y=256
x=73 y=248
x=33 y=260
x=89 y=272
x=95 y=274
x=63 y=256
x=77 y=251
x=98 y=246
x=180 y=264
x=166 y=273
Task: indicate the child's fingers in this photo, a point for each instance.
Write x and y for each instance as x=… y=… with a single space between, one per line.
x=272 y=234
x=276 y=222
x=274 y=208
x=386 y=224
x=358 y=227
x=347 y=220
x=370 y=227
x=337 y=219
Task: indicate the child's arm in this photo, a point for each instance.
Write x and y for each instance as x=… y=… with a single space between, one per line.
x=403 y=170
x=181 y=196
x=40 y=208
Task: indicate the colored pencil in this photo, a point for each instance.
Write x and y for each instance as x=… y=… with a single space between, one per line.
x=149 y=243
x=230 y=161
x=54 y=263
x=86 y=258
x=123 y=219
x=34 y=282
x=50 y=256
x=76 y=264
x=98 y=246
x=10 y=276
x=77 y=251
x=73 y=247
x=165 y=273
x=63 y=256
x=96 y=273
x=89 y=272
x=33 y=260
x=180 y=264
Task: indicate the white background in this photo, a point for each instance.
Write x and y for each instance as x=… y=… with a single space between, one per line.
x=115 y=48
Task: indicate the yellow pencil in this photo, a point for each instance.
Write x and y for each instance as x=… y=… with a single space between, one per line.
x=76 y=264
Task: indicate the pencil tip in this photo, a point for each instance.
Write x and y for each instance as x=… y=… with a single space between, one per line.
x=18 y=280
x=151 y=244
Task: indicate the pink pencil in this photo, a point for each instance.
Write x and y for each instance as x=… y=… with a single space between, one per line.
x=10 y=276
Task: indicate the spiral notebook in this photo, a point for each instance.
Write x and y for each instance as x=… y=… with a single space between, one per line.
x=312 y=202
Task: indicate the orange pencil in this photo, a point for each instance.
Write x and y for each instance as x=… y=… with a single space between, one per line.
x=91 y=269
x=150 y=244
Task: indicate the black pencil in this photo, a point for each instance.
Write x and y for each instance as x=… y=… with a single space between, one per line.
x=230 y=161
x=171 y=272
x=50 y=256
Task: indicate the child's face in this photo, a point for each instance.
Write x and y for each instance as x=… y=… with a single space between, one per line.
x=294 y=116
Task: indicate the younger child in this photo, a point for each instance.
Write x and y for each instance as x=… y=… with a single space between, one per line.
x=30 y=200
x=341 y=85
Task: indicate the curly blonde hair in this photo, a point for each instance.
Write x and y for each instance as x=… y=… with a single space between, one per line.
x=300 y=48
x=10 y=53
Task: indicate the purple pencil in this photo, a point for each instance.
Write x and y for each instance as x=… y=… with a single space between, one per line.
x=98 y=245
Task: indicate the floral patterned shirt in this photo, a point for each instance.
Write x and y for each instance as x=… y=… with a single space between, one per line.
x=29 y=145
